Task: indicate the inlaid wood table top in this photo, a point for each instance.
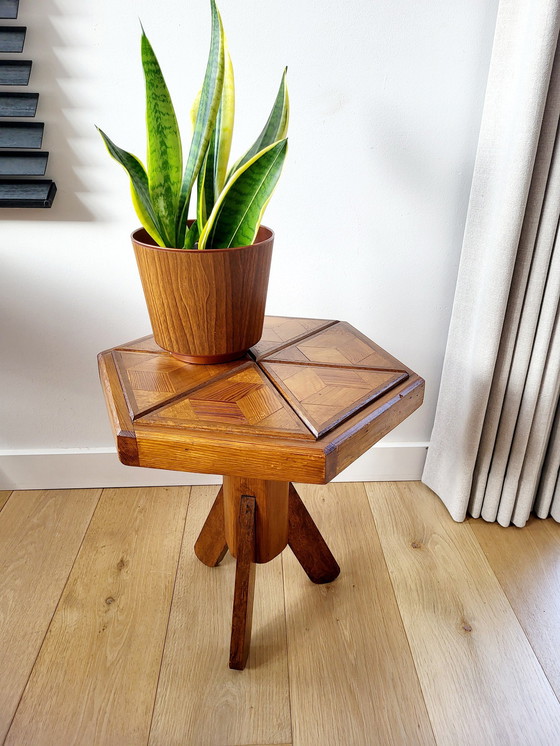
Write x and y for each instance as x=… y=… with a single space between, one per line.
x=305 y=402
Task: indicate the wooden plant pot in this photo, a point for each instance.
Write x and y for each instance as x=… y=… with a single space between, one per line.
x=205 y=306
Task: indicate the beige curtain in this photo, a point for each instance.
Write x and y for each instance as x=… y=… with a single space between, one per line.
x=495 y=447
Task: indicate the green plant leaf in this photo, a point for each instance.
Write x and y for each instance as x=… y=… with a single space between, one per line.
x=212 y=175
x=223 y=132
x=205 y=186
x=192 y=236
x=194 y=109
x=205 y=119
x=139 y=187
x=164 y=157
x=276 y=127
x=145 y=219
x=237 y=214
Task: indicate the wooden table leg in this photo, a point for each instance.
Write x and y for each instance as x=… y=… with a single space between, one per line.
x=257 y=527
x=244 y=585
x=211 y=546
x=307 y=544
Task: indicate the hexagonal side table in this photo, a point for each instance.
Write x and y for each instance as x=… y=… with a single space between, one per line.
x=307 y=400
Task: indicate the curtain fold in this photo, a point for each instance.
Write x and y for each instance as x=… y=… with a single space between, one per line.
x=495 y=446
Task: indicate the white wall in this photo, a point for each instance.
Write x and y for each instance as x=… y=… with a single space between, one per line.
x=386 y=104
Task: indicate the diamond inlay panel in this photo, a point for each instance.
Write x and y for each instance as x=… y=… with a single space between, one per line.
x=280 y=330
x=338 y=345
x=321 y=372
x=150 y=380
x=324 y=397
x=245 y=400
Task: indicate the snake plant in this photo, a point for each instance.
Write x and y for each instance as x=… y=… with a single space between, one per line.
x=230 y=202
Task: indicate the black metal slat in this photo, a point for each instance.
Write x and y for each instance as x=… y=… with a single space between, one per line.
x=20 y=193
x=15 y=73
x=18 y=104
x=12 y=38
x=21 y=135
x=9 y=8
x=19 y=163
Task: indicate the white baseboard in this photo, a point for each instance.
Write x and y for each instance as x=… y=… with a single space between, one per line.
x=67 y=468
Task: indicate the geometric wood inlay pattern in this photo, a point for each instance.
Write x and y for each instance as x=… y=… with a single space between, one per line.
x=152 y=380
x=303 y=419
x=337 y=345
x=324 y=396
x=242 y=400
x=303 y=379
x=278 y=331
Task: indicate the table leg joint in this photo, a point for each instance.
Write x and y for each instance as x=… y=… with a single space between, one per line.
x=306 y=542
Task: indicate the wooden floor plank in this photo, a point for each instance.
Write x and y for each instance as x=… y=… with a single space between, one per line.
x=481 y=680
x=527 y=563
x=4 y=495
x=96 y=675
x=352 y=678
x=200 y=700
x=40 y=535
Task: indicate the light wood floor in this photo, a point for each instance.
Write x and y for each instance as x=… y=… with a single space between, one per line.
x=112 y=632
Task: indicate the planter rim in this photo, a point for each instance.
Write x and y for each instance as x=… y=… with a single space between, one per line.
x=135 y=236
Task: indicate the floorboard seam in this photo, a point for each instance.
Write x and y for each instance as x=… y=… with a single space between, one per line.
x=287 y=650
x=7 y=500
x=556 y=694
x=179 y=555
x=94 y=511
x=400 y=614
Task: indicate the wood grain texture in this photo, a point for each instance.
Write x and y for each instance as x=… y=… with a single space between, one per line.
x=470 y=652
x=40 y=535
x=4 y=495
x=365 y=428
x=326 y=396
x=205 y=303
x=300 y=422
x=235 y=455
x=244 y=589
x=150 y=381
x=271 y=526
x=144 y=344
x=282 y=331
x=307 y=543
x=352 y=679
x=96 y=675
x=338 y=345
x=200 y=700
x=243 y=401
x=211 y=545
x=118 y=409
x=527 y=564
